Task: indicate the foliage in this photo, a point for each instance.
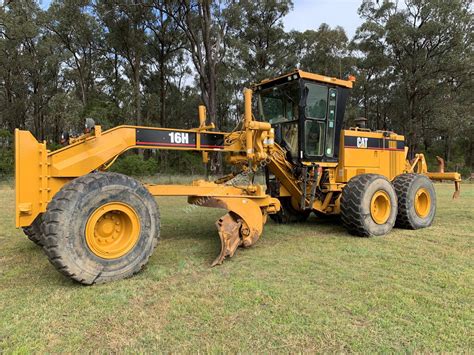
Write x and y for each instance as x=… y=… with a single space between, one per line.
x=152 y=63
x=416 y=70
x=160 y=163
x=135 y=165
x=6 y=153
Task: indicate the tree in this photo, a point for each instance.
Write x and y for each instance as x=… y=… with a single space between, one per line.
x=204 y=27
x=424 y=48
x=324 y=51
x=77 y=31
x=125 y=24
x=260 y=46
x=166 y=44
x=29 y=69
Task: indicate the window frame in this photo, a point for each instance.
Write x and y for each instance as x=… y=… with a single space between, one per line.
x=284 y=103
x=306 y=84
x=322 y=135
x=307 y=118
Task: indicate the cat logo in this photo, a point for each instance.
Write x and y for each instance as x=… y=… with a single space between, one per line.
x=362 y=142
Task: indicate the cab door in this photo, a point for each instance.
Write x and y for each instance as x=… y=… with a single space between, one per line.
x=319 y=122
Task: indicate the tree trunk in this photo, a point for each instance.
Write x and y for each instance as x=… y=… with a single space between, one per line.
x=136 y=84
x=447 y=148
x=162 y=91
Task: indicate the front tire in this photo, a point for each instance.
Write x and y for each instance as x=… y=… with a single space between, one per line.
x=33 y=231
x=416 y=201
x=101 y=227
x=368 y=205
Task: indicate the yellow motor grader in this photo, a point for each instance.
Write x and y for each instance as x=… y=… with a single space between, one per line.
x=96 y=226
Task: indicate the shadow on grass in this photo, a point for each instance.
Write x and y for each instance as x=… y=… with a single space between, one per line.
x=194 y=240
x=324 y=226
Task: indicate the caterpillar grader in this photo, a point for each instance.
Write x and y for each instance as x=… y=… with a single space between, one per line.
x=96 y=226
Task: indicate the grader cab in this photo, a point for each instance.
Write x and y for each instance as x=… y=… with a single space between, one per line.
x=96 y=226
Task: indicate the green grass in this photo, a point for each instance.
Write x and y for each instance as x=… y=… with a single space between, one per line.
x=308 y=287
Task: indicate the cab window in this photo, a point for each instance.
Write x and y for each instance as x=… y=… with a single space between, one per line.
x=316 y=102
x=279 y=104
x=314 y=137
x=272 y=108
x=290 y=136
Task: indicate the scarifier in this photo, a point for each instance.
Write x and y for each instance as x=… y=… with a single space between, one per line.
x=96 y=226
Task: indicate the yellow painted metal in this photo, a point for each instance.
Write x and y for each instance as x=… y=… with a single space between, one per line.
x=326 y=201
x=112 y=230
x=202 y=116
x=243 y=225
x=247 y=120
x=354 y=161
x=422 y=202
x=202 y=124
x=92 y=153
x=323 y=164
x=444 y=176
x=419 y=166
x=310 y=76
x=380 y=207
x=326 y=79
x=207 y=188
x=40 y=174
x=32 y=178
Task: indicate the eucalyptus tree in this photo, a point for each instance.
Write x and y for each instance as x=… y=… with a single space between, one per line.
x=260 y=45
x=205 y=29
x=75 y=28
x=426 y=48
x=125 y=23
x=29 y=68
x=325 y=51
x=166 y=45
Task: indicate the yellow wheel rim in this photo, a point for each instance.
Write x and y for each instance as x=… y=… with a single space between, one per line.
x=422 y=202
x=380 y=207
x=112 y=230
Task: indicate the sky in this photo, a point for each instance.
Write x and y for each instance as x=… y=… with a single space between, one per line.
x=309 y=14
x=44 y=3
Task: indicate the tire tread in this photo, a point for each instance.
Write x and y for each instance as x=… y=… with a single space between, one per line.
x=57 y=208
x=352 y=216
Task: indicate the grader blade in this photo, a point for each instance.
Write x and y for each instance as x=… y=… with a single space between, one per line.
x=242 y=226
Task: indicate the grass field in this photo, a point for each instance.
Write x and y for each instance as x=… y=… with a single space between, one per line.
x=308 y=287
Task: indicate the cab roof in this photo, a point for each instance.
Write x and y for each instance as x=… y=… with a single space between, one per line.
x=295 y=74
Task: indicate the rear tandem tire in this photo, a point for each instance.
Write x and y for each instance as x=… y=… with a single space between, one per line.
x=416 y=201
x=101 y=227
x=368 y=205
x=33 y=231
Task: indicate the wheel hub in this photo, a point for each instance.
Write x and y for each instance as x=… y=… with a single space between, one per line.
x=112 y=230
x=380 y=207
x=422 y=202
